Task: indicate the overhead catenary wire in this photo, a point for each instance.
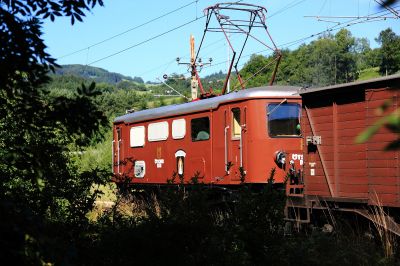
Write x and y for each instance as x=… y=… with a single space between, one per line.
x=322 y=7
x=128 y=30
x=339 y=26
x=181 y=57
x=344 y=17
x=287 y=7
x=392 y=10
x=152 y=38
x=146 y=41
x=357 y=20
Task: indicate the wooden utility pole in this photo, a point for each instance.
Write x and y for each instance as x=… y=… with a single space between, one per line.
x=194 y=82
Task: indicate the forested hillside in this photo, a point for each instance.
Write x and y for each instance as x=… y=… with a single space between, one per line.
x=95 y=73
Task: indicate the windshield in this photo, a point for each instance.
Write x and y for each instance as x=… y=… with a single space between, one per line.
x=283 y=119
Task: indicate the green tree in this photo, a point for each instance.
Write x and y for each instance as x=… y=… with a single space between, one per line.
x=322 y=61
x=39 y=186
x=345 y=59
x=255 y=72
x=297 y=66
x=143 y=105
x=390 y=52
x=363 y=50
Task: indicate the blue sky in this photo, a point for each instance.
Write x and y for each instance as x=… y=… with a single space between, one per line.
x=285 y=21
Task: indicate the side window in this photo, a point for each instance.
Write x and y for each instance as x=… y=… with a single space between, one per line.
x=158 y=131
x=137 y=136
x=236 y=128
x=178 y=128
x=200 y=129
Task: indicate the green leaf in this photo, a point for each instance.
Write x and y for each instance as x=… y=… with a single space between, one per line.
x=370 y=131
x=392 y=121
x=394 y=145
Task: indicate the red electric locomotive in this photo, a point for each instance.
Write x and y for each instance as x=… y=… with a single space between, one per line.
x=218 y=140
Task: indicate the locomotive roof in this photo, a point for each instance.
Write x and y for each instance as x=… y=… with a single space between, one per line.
x=207 y=104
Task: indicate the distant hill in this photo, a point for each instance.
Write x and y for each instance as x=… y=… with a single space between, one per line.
x=95 y=73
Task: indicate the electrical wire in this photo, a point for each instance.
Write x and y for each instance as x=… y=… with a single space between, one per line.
x=287 y=7
x=157 y=67
x=154 y=37
x=181 y=57
x=145 y=41
x=129 y=30
x=322 y=7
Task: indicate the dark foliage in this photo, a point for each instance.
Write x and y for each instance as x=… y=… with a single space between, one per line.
x=40 y=192
x=194 y=226
x=43 y=9
x=23 y=59
x=112 y=100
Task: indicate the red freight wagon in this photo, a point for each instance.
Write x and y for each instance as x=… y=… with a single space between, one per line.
x=337 y=171
x=218 y=140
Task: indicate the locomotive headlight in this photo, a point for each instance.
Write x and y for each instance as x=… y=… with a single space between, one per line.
x=280 y=159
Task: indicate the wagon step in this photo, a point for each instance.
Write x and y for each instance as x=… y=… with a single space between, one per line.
x=295 y=190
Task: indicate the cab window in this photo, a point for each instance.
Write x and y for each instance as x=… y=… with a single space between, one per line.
x=283 y=119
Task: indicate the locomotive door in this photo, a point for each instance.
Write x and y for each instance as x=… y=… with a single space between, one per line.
x=236 y=137
x=116 y=150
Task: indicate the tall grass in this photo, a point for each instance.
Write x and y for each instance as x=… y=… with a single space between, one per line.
x=383 y=224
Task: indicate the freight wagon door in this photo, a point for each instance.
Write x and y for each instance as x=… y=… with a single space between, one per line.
x=236 y=138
